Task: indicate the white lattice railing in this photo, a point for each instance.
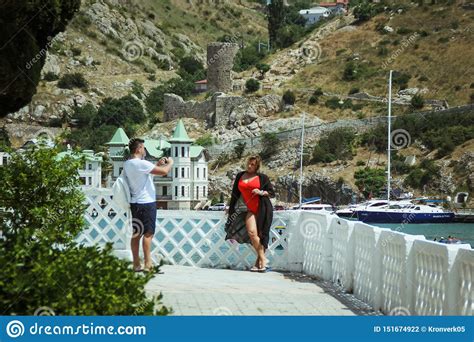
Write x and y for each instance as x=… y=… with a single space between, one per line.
x=391 y=271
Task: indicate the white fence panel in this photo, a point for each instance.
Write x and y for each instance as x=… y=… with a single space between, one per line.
x=343 y=253
x=395 y=284
x=431 y=265
x=314 y=228
x=367 y=260
x=462 y=284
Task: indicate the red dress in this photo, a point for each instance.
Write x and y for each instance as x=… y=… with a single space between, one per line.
x=250 y=199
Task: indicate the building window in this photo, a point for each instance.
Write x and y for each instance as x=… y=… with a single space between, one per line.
x=204 y=173
x=176 y=151
x=197 y=192
x=182 y=172
x=183 y=154
x=89 y=166
x=90 y=181
x=175 y=172
x=165 y=191
x=120 y=170
x=5 y=160
x=182 y=191
x=176 y=191
x=83 y=180
x=187 y=170
x=204 y=191
x=197 y=172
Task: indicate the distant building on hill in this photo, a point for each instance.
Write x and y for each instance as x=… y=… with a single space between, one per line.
x=315 y=14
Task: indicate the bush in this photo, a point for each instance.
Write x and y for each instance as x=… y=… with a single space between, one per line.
x=49 y=266
x=333 y=103
x=313 y=100
x=204 y=140
x=76 y=51
x=270 y=143
x=137 y=89
x=50 y=77
x=401 y=79
x=354 y=90
x=289 y=97
x=318 y=92
x=263 y=69
x=417 y=102
x=335 y=145
x=239 y=149
x=252 y=85
x=350 y=72
x=403 y=31
x=71 y=81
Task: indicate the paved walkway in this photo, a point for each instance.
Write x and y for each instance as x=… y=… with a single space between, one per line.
x=200 y=291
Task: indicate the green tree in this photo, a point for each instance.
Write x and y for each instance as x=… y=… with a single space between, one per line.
x=276 y=18
x=191 y=68
x=124 y=112
x=370 y=181
x=41 y=261
x=32 y=24
x=364 y=11
x=85 y=115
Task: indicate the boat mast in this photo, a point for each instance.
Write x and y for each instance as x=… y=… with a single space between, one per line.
x=301 y=160
x=389 y=134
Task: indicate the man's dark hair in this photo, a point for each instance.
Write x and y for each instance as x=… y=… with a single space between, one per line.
x=134 y=143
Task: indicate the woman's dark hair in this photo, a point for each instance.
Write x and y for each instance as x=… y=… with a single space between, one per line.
x=134 y=143
x=258 y=162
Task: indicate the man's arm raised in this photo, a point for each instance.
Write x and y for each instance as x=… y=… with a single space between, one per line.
x=163 y=167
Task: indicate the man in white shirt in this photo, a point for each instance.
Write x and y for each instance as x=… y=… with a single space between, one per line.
x=139 y=174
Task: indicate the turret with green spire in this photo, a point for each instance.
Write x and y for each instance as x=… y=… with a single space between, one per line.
x=180 y=134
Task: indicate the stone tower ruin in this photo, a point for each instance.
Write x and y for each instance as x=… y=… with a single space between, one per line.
x=220 y=61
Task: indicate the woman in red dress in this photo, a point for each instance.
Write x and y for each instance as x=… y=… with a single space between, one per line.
x=251 y=212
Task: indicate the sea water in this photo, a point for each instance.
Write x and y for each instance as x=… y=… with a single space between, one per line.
x=461 y=231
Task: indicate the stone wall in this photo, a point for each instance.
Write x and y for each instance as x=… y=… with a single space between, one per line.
x=221 y=110
x=220 y=62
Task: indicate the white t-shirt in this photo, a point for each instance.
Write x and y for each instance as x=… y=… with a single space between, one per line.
x=140 y=181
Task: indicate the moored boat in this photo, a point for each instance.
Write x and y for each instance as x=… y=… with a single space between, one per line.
x=396 y=213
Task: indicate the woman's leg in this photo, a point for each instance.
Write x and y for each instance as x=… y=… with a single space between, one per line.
x=251 y=224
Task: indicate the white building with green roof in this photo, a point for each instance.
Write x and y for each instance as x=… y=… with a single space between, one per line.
x=187 y=184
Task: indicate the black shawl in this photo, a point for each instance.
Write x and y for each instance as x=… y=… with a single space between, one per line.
x=235 y=225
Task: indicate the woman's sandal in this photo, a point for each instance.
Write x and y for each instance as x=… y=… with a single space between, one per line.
x=254 y=269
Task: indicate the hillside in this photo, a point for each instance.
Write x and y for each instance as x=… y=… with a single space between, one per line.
x=115 y=42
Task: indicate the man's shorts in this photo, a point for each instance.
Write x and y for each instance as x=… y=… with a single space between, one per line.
x=143 y=218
